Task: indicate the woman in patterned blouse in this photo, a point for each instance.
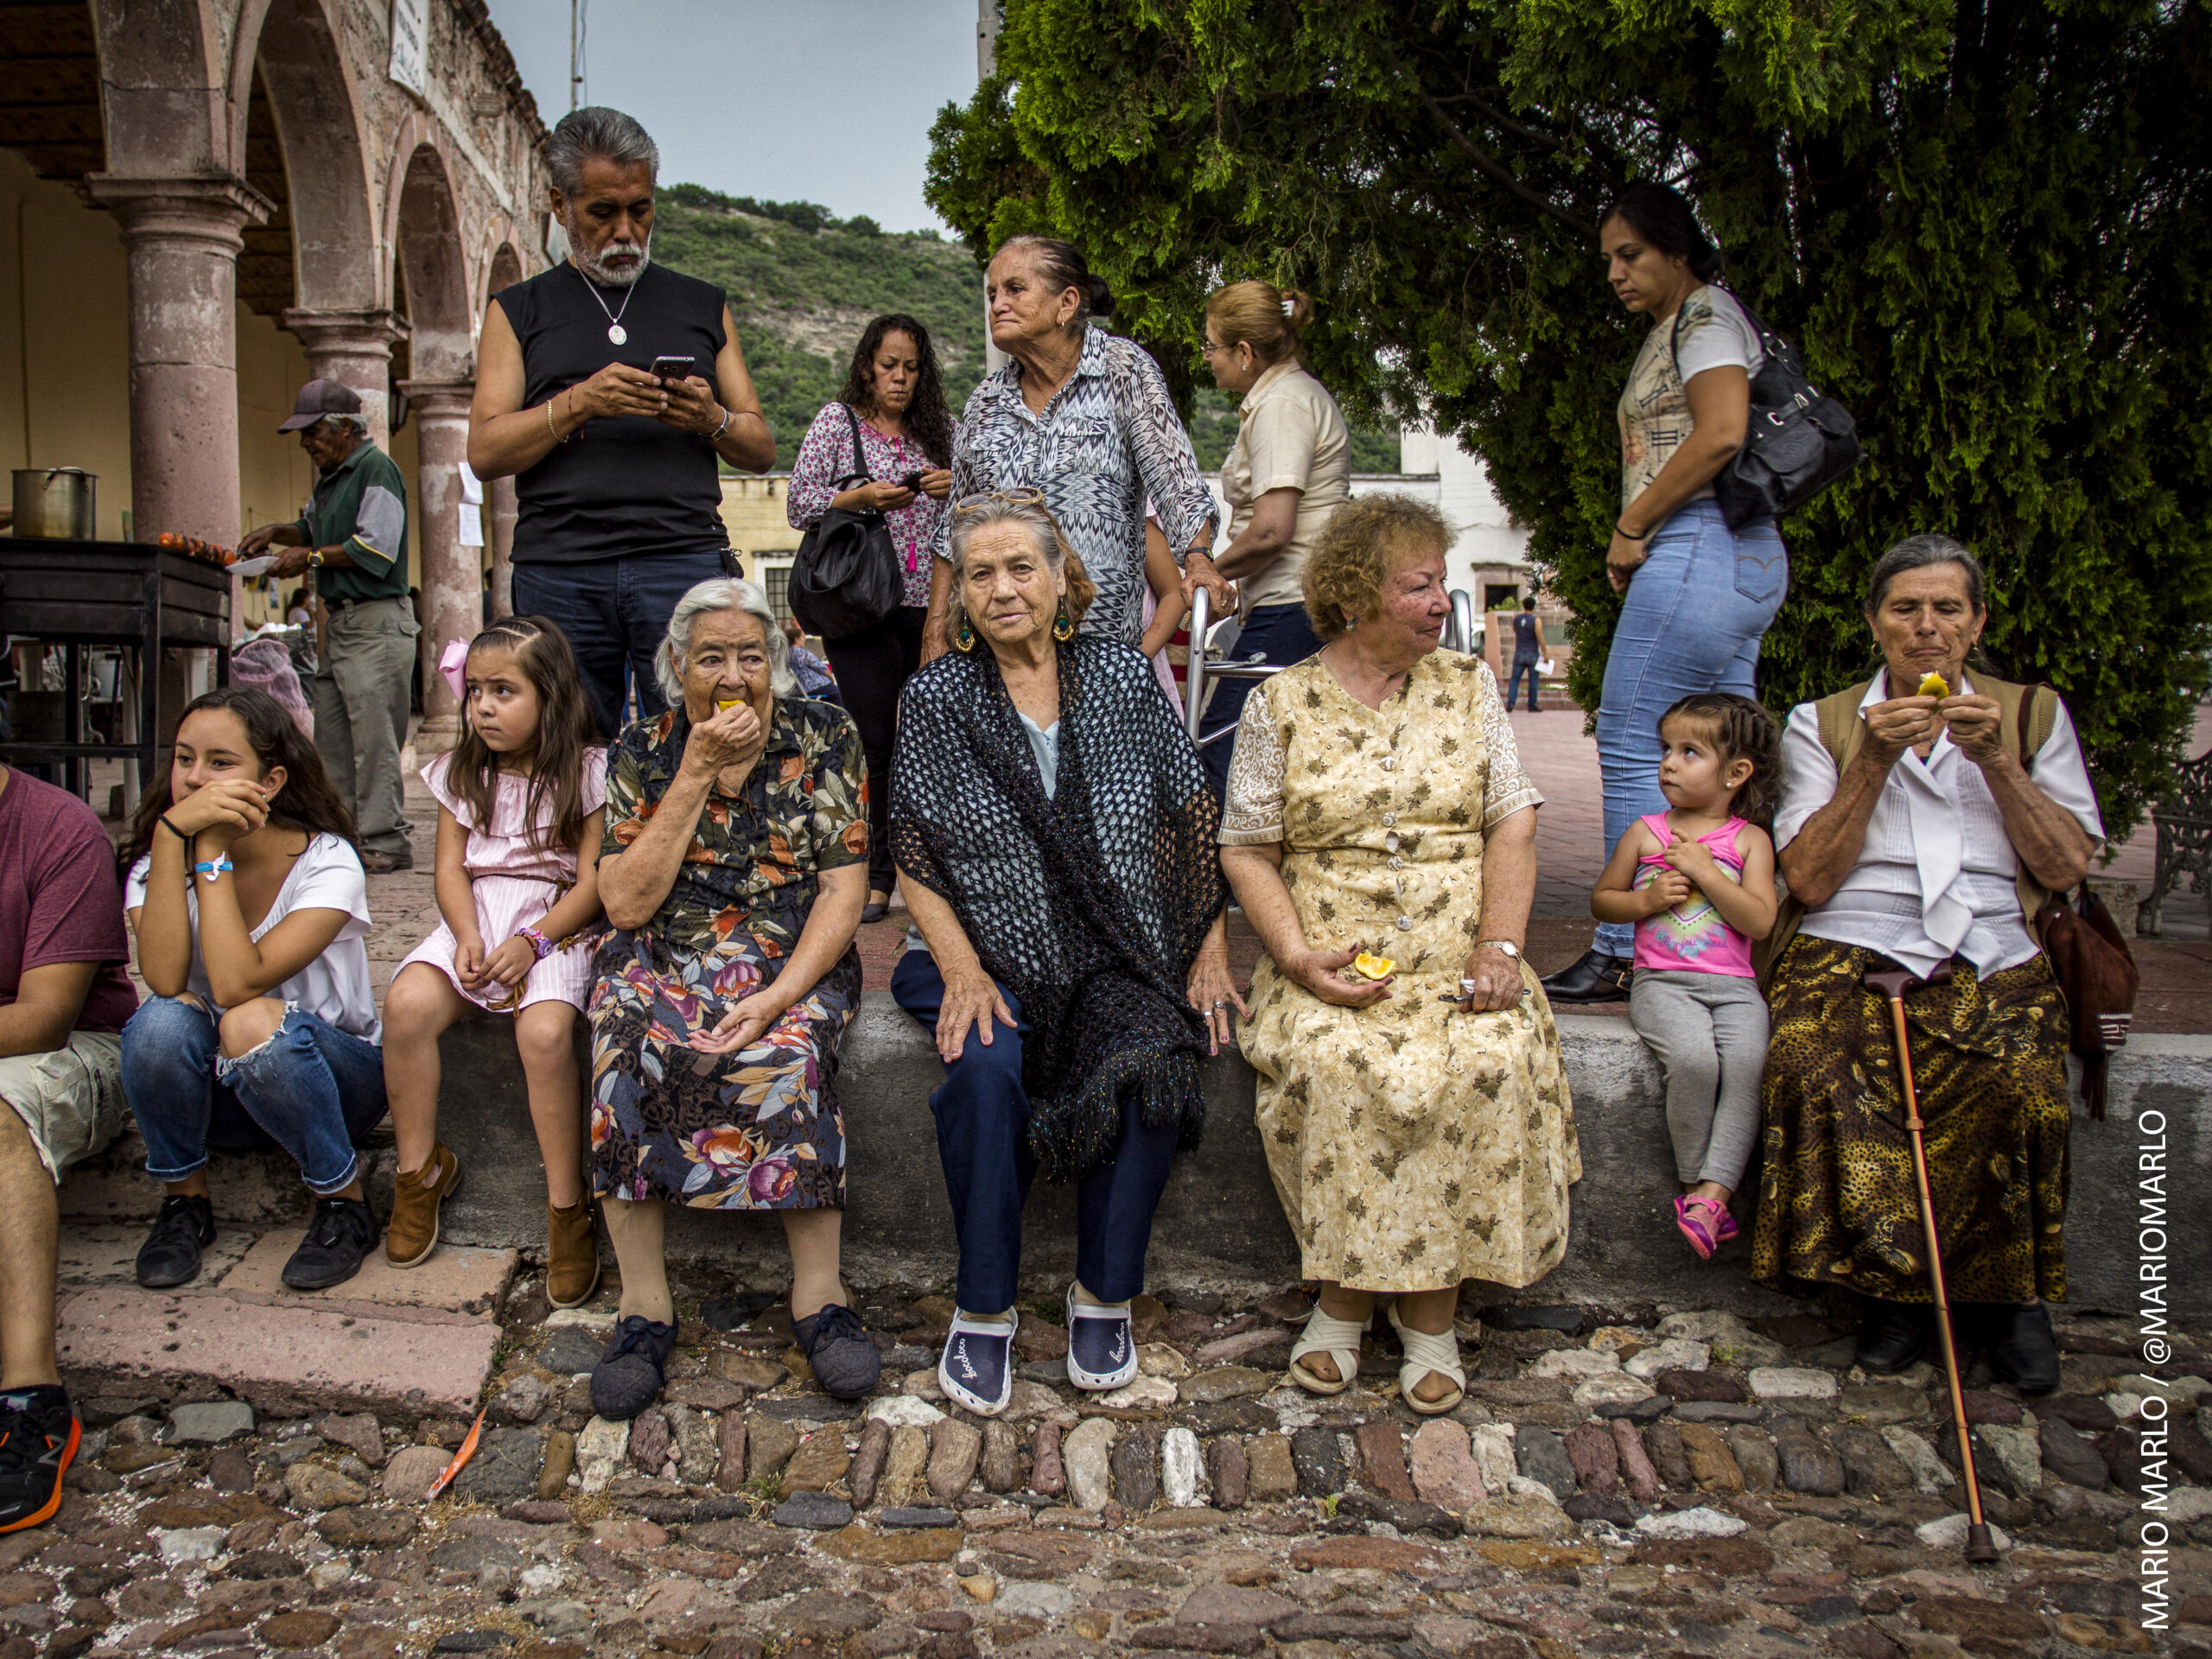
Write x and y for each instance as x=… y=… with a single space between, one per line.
x=734 y=869
x=1084 y=416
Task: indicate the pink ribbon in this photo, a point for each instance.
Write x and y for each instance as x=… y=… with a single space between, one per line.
x=452 y=665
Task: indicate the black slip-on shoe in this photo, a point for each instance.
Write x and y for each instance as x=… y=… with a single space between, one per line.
x=344 y=1232
x=846 y=1363
x=170 y=1255
x=632 y=1371
x=2023 y=1349
x=1593 y=976
x=1892 y=1335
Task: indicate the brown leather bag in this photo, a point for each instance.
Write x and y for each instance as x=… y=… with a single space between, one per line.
x=2097 y=976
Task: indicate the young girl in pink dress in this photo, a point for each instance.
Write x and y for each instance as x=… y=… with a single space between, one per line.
x=521 y=805
x=1697 y=881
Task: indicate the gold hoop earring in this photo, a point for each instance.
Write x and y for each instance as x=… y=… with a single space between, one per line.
x=965 y=639
x=1064 y=624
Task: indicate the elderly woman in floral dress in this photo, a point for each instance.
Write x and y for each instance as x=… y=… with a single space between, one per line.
x=734 y=867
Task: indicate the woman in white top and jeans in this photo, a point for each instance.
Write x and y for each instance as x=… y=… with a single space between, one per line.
x=1701 y=596
x=246 y=893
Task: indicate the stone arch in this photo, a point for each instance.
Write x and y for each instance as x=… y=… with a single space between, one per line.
x=503 y=269
x=297 y=46
x=165 y=95
x=423 y=227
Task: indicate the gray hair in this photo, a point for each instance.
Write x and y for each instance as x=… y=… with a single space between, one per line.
x=1919 y=553
x=717 y=594
x=1035 y=520
x=596 y=131
x=1062 y=265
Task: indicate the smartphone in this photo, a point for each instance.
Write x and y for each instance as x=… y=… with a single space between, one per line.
x=673 y=368
x=911 y=481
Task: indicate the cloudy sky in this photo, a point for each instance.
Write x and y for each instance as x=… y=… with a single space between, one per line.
x=824 y=100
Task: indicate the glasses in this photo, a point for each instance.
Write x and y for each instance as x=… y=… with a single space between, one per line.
x=1021 y=498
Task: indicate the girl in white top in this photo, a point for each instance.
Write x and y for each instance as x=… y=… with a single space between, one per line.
x=251 y=910
x=521 y=807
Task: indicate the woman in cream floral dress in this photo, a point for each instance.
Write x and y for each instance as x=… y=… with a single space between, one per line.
x=1417 y=1126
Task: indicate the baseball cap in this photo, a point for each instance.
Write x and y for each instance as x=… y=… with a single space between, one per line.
x=319 y=398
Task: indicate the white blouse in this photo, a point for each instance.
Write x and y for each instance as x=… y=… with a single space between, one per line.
x=1937 y=875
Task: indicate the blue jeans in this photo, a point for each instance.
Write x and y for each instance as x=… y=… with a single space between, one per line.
x=615 y=613
x=312 y=1090
x=982 y=1140
x=1284 y=634
x=1521 y=665
x=1695 y=612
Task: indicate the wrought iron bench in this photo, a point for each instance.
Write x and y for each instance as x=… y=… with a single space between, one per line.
x=2185 y=824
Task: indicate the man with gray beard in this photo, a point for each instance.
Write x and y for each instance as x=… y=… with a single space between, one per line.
x=614 y=467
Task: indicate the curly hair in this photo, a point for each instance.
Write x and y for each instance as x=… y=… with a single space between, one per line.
x=928 y=421
x=1740 y=729
x=1364 y=541
x=1044 y=531
x=566 y=727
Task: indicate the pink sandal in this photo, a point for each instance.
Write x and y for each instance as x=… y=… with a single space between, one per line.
x=1705 y=1222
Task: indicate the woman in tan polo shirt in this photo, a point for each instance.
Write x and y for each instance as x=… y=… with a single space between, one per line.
x=1289 y=470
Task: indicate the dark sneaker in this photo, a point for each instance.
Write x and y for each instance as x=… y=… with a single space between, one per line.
x=1593 y=976
x=2022 y=1349
x=344 y=1232
x=39 y=1434
x=1892 y=1335
x=387 y=863
x=632 y=1371
x=170 y=1255
x=976 y=1368
x=1101 y=1353
x=846 y=1363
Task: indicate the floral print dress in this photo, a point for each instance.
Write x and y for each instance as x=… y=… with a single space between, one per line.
x=759 y=1128
x=1413 y=1145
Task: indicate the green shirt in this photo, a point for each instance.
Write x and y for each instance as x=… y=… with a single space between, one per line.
x=360 y=505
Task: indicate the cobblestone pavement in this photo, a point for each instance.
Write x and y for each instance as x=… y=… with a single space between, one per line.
x=1615 y=1482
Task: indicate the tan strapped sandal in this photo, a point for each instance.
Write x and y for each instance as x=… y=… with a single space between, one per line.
x=1339 y=1339
x=1427 y=1352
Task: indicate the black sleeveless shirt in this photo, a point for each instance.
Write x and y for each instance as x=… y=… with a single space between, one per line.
x=624 y=483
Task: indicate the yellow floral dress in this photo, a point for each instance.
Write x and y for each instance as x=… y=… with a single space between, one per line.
x=1412 y=1145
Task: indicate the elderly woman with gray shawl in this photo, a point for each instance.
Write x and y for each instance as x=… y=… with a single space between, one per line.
x=1055 y=832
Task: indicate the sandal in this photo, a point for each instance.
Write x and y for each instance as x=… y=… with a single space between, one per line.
x=1427 y=1352
x=1705 y=1222
x=1339 y=1339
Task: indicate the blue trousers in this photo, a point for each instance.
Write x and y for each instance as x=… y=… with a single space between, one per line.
x=1695 y=612
x=1521 y=665
x=1285 y=635
x=982 y=1140
x=312 y=1090
x=615 y=613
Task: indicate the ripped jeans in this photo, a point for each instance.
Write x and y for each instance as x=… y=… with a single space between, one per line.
x=312 y=1090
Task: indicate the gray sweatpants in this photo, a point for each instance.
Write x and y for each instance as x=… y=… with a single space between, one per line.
x=1709 y=1033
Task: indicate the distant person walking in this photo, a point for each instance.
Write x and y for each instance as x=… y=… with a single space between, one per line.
x=1528 y=651
x=615 y=468
x=353 y=535
x=1288 y=471
x=1083 y=418
x=889 y=422
x=1701 y=595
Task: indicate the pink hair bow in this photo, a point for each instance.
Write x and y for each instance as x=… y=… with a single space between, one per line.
x=452 y=665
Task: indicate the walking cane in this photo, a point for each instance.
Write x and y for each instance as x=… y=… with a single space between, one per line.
x=1893 y=984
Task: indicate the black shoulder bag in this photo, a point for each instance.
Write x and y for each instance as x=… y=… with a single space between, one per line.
x=846 y=576
x=1798 y=440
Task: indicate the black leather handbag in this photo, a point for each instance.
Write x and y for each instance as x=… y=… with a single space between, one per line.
x=1798 y=441
x=846 y=576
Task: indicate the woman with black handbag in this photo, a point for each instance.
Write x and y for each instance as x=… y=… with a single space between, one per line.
x=1701 y=594
x=883 y=449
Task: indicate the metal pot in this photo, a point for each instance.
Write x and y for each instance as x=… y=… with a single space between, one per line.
x=57 y=501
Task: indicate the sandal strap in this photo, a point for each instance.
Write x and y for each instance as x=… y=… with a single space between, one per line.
x=1437 y=1352
x=1325 y=1334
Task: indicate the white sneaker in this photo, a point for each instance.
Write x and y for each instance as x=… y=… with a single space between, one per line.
x=976 y=1368
x=1101 y=1352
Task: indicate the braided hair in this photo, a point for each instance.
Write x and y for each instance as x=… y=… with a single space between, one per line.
x=1740 y=729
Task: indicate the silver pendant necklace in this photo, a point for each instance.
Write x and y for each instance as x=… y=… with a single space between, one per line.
x=615 y=331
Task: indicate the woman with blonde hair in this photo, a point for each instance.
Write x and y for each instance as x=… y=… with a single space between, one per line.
x=1289 y=469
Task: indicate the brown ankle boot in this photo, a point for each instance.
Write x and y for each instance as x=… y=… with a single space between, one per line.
x=412 y=1233
x=571 y=1255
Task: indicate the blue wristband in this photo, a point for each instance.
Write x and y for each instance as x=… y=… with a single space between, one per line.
x=211 y=871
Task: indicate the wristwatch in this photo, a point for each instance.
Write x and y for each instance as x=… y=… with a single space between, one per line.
x=314 y=559
x=1506 y=945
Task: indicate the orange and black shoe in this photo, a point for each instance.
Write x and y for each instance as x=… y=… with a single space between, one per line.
x=39 y=1435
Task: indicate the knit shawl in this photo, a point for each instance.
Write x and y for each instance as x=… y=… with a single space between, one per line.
x=1089 y=904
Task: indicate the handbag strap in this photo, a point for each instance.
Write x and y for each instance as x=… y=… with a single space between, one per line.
x=859 y=455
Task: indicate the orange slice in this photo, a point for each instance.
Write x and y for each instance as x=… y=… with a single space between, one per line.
x=1934 y=685
x=1372 y=966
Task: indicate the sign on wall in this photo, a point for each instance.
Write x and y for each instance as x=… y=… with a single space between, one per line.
x=411 y=45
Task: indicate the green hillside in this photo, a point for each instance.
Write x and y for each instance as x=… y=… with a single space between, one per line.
x=803 y=285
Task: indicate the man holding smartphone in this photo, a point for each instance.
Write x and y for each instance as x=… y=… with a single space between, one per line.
x=611 y=389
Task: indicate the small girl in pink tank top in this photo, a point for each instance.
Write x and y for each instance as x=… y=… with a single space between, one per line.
x=1698 y=882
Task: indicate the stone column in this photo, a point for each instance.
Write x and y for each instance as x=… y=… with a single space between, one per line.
x=503 y=512
x=355 y=349
x=452 y=591
x=181 y=240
